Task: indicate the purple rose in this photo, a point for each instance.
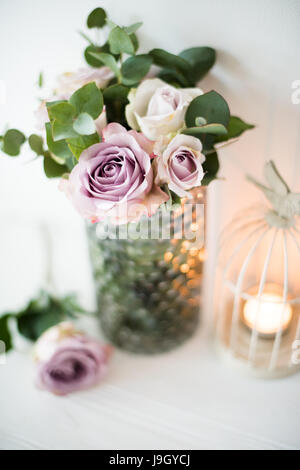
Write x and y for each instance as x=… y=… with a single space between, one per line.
x=115 y=179
x=179 y=163
x=69 y=361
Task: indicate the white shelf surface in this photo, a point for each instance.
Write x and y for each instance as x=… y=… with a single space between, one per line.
x=186 y=399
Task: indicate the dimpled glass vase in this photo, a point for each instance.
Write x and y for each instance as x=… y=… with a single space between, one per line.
x=148 y=286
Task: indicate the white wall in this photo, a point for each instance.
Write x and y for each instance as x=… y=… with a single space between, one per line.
x=258 y=59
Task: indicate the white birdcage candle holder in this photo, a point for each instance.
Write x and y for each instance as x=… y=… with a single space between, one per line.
x=258 y=286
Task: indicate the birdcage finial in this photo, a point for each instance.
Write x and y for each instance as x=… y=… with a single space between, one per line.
x=286 y=204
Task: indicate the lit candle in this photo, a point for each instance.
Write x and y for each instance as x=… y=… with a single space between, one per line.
x=268 y=313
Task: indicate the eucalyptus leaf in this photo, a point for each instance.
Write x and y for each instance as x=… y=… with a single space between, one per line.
x=133 y=28
x=174 y=78
x=84 y=124
x=236 y=127
x=62 y=111
x=201 y=60
x=115 y=98
x=135 y=41
x=71 y=162
x=12 y=142
x=33 y=325
x=92 y=60
x=62 y=130
x=41 y=80
x=88 y=99
x=97 y=18
x=59 y=148
x=215 y=129
x=5 y=334
x=39 y=314
x=108 y=60
x=135 y=68
x=115 y=92
x=211 y=167
x=36 y=144
x=53 y=169
x=167 y=60
x=80 y=143
x=120 y=41
x=211 y=106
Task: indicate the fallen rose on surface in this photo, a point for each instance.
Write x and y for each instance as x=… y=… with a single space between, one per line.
x=69 y=361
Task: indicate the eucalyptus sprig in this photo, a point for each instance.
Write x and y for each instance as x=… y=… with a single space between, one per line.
x=41 y=313
x=72 y=128
x=12 y=141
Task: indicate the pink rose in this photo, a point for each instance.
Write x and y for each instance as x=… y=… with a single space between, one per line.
x=180 y=164
x=115 y=178
x=69 y=361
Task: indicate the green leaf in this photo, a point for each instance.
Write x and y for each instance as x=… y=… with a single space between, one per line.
x=236 y=127
x=36 y=144
x=80 y=143
x=174 y=78
x=120 y=41
x=115 y=98
x=12 y=142
x=133 y=28
x=33 y=325
x=5 y=335
x=175 y=199
x=201 y=60
x=88 y=99
x=115 y=92
x=59 y=148
x=53 y=169
x=108 y=60
x=40 y=314
x=40 y=80
x=90 y=59
x=134 y=41
x=167 y=60
x=97 y=18
x=62 y=111
x=211 y=167
x=215 y=129
x=135 y=68
x=84 y=124
x=210 y=106
x=71 y=162
x=62 y=130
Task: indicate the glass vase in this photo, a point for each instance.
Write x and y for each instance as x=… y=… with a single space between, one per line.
x=148 y=286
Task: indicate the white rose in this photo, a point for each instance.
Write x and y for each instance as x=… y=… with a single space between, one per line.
x=157 y=108
x=47 y=344
x=69 y=82
x=179 y=164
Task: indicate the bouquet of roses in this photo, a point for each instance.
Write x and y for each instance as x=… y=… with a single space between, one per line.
x=131 y=131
